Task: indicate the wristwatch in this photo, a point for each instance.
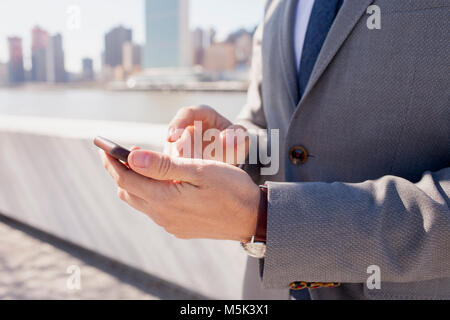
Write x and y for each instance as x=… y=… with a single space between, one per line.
x=256 y=248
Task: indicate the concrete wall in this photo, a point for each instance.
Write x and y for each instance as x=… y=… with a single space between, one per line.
x=51 y=178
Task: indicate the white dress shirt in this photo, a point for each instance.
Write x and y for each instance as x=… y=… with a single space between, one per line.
x=304 y=9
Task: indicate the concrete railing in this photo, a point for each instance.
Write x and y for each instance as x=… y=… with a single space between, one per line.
x=52 y=179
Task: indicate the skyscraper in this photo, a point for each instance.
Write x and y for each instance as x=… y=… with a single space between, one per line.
x=201 y=40
x=167 y=34
x=220 y=57
x=16 y=72
x=243 y=40
x=3 y=73
x=131 y=54
x=55 y=60
x=198 y=44
x=88 y=69
x=39 y=42
x=114 y=41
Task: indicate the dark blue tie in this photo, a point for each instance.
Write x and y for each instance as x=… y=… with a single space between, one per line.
x=322 y=16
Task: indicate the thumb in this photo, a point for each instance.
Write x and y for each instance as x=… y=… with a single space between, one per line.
x=162 y=167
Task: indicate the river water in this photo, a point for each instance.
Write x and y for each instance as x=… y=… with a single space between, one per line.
x=96 y=104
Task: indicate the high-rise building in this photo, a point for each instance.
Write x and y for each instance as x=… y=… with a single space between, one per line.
x=131 y=55
x=3 y=74
x=198 y=43
x=56 y=71
x=167 y=34
x=16 y=72
x=243 y=40
x=209 y=37
x=137 y=55
x=114 y=41
x=220 y=57
x=88 y=69
x=39 y=43
x=201 y=40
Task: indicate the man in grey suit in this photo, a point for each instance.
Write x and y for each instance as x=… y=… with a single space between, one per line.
x=358 y=91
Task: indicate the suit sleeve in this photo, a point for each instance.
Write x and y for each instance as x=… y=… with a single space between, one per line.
x=332 y=232
x=252 y=115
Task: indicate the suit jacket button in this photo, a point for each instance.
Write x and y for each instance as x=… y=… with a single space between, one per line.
x=298 y=155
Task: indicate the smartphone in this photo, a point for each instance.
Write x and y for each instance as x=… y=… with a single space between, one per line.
x=113 y=149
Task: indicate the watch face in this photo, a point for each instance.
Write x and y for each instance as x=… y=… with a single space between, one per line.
x=255 y=249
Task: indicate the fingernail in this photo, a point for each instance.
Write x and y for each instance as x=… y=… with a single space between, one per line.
x=140 y=159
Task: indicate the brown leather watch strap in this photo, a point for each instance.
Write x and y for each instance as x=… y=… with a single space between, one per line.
x=261 y=225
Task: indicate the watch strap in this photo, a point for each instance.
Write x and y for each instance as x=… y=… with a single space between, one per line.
x=261 y=225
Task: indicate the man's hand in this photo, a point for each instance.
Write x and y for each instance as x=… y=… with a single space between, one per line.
x=233 y=138
x=189 y=198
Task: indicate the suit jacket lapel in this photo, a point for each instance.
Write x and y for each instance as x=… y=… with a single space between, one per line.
x=287 y=51
x=348 y=16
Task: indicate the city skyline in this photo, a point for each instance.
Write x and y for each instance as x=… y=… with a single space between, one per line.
x=90 y=34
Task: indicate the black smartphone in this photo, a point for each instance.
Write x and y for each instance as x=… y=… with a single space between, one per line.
x=113 y=149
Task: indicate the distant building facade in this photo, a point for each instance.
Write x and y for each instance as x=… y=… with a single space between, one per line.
x=167 y=34
x=131 y=55
x=87 y=69
x=137 y=55
x=220 y=57
x=201 y=40
x=243 y=41
x=56 y=71
x=244 y=48
x=3 y=74
x=114 y=41
x=16 y=71
x=198 y=46
x=39 y=43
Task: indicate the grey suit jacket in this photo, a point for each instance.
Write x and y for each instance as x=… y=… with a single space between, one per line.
x=375 y=120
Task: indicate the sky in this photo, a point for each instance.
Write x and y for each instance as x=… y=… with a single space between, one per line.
x=17 y=18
